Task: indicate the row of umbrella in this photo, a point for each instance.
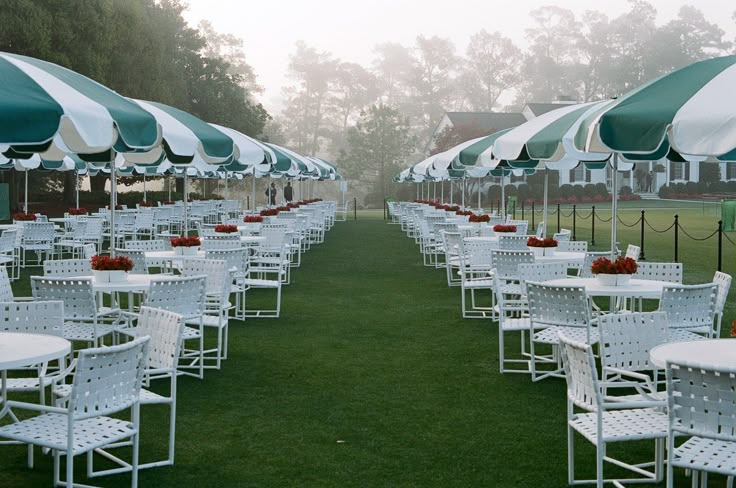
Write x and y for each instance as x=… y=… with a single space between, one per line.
x=56 y=119
x=686 y=115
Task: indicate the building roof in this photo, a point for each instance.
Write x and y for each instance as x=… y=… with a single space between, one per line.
x=542 y=108
x=492 y=121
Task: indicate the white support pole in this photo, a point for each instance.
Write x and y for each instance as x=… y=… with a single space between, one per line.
x=614 y=205
x=503 y=195
x=442 y=191
x=227 y=191
x=253 y=189
x=113 y=202
x=186 y=203
x=25 y=193
x=463 y=198
x=546 y=200
x=76 y=186
x=480 y=207
x=451 y=188
x=168 y=180
x=145 y=193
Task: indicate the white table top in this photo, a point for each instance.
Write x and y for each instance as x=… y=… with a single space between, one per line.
x=635 y=288
x=483 y=239
x=170 y=256
x=20 y=349
x=9 y=226
x=252 y=239
x=562 y=256
x=717 y=353
x=134 y=283
x=61 y=220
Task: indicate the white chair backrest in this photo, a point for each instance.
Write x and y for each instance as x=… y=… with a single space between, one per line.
x=234 y=258
x=633 y=252
x=585 y=271
x=565 y=306
x=67 y=267
x=541 y=272
x=143 y=245
x=581 y=374
x=38 y=232
x=231 y=242
x=521 y=226
x=39 y=317
x=140 y=265
x=89 y=250
x=216 y=272
x=478 y=254
x=165 y=330
x=108 y=379
x=7 y=240
x=183 y=295
x=6 y=290
x=670 y=272
x=572 y=246
x=512 y=242
x=627 y=338
x=453 y=243
x=724 y=285
x=540 y=230
x=563 y=235
x=76 y=293
x=506 y=263
x=689 y=305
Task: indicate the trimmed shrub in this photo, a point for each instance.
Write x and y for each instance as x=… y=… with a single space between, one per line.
x=590 y=190
x=566 y=190
x=600 y=189
x=625 y=190
x=578 y=191
x=691 y=188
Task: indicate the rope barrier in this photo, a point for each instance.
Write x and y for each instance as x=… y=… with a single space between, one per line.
x=568 y=215
x=627 y=225
x=659 y=231
x=728 y=238
x=605 y=221
x=696 y=238
x=585 y=218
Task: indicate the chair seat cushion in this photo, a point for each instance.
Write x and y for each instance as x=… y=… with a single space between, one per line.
x=82 y=331
x=623 y=425
x=550 y=335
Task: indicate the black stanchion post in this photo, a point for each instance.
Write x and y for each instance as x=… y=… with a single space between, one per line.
x=522 y=212
x=533 y=226
x=558 y=218
x=677 y=236
x=592 y=226
x=574 y=222
x=720 y=245
x=641 y=238
x=355 y=208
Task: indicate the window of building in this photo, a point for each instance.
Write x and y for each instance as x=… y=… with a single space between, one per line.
x=679 y=171
x=580 y=174
x=731 y=171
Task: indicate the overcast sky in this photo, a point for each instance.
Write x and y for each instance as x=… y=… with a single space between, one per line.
x=350 y=29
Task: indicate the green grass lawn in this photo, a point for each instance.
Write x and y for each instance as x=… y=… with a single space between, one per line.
x=370 y=378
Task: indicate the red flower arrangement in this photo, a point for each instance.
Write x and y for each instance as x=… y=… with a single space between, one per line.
x=106 y=263
x=119 y=207
x=283 y=209
x=269 y=212
x=479 y=218
x=463 y=212
x=24 y=217
x=185 y=242
x=77 y=211
x=546 y=242
x=226 y=228
x=250 y=219
x=450 y=208
x=168 y=202
x=504 y=228
x=146 y=204
x=190 y=200
x=292 y=205
x=621 y=265
x=733 y=328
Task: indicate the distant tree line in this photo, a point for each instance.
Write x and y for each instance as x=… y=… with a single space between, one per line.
x=141 y=49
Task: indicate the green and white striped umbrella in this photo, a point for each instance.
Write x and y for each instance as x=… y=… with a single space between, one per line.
x=48 y=109
x=691 y=110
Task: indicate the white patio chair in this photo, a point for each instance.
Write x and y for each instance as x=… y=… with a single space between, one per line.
x=218 y=284
x=690 y=307
x=38 y=237
x=513 y=316
x=563 y=235
x=265 y=276
x=475 y=268
x=633 y=252
x=724 y=285
x=8 y=251
x=572 y=246
x=512 y=242
x=63 y=268
x=556 y=311
x=83 y=320
x=225 y=241
x=45 y=318
x=140 y=264
x=521 y=226
x=453 y=245
x=670 y=272
x=540 y=230
x=106 y=381
x=603 y=421
x=506 y=266
x=185 y=296
x=147 y=245
x=165 y=330
x=701 y=401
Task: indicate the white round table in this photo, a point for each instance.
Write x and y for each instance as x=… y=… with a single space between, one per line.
x=635 y=288
x=717 y=353
x=492 y=239
x=572 y=258
x=19 y=350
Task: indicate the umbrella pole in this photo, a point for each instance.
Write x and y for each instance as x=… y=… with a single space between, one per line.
x=76 y=187
x=186 y=203
x=204 y=188
x=442 y=191
x=480 y=208
x=168 y=180
x=227 y=191
x=451 y=198
x=614 y=205
x=546 y=199
x=113 y=202
x=25 y=194
x=503 y=195
x=145 y=194
x=463 y=198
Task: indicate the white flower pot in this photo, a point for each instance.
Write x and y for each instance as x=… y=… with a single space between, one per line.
x=549 y=251
x=613 y=279
x=110 y=276
x=537 y=251
x=186 y=251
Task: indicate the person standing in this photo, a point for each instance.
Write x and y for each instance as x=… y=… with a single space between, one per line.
x=288 y=192
x=271 y=194
x=650 y=177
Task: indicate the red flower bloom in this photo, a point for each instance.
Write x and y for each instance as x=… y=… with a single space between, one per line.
x=269 y=212
x=185 y=242
x=106 y=263
x=252 y=218
x=504 y=228
x=77 y=211
x=621 y=265
x=24 y=217
x=479 y=218
x=168 y=202
x=146 y=204
x=226 y=229
x=546 y=242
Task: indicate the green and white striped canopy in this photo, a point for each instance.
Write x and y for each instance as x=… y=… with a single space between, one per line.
x=48 y=109
x=692 y=110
